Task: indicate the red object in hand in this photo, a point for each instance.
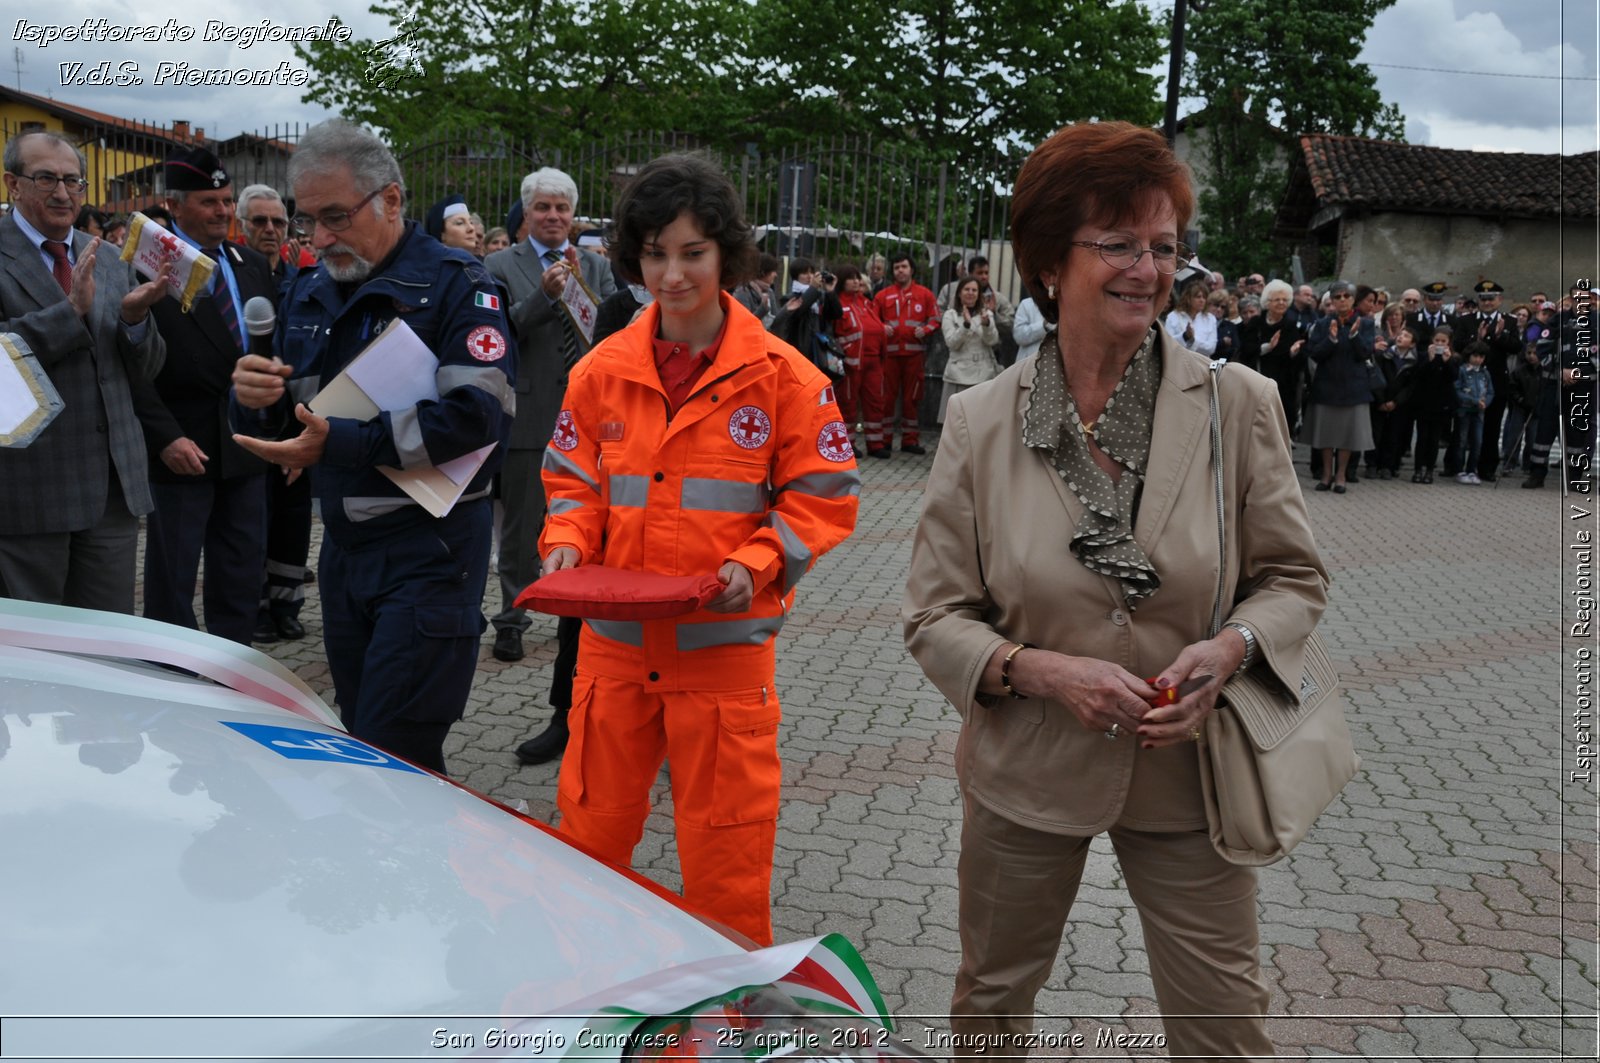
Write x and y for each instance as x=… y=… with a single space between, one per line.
x=596 y=592
x=1173 y=695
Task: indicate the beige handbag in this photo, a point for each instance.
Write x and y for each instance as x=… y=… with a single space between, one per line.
x=1270 y=760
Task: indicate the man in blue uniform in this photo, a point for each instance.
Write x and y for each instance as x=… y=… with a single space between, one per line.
x=402 y=590
x=1566 y=393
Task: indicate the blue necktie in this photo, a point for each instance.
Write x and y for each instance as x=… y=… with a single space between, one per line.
x=224 y=298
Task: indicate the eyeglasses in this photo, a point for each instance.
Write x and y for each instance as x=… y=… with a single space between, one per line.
x=261 y=221
x=335 y=221
x=46 y=182
x=1125 y=254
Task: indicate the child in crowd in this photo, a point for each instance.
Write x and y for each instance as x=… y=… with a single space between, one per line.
x=1474 y=392
x=1393 y=410
x=1434 y=401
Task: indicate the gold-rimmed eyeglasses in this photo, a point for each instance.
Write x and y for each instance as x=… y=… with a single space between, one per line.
x=1125 y=254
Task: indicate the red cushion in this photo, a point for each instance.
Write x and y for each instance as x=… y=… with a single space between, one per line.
x=599 y=593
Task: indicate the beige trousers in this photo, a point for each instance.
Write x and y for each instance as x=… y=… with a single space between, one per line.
x=1198 y=913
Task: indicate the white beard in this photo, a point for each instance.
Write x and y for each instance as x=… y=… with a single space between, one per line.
x=359 y=269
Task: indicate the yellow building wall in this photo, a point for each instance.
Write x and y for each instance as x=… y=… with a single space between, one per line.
x=105 y=164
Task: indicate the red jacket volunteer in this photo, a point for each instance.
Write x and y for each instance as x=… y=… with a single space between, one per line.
x=910 y=314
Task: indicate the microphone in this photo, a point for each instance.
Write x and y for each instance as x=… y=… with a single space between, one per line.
x=259 y=321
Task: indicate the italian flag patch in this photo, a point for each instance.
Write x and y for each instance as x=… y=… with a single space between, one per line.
x=486 y=301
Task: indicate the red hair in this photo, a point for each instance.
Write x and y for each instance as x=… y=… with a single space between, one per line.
x=1092 y=172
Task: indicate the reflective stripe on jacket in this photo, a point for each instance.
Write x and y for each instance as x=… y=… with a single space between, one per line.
x=755 y=467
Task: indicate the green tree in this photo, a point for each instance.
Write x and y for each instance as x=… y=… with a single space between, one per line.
x=1270 y=72
x=557 y=72
x=957 y=78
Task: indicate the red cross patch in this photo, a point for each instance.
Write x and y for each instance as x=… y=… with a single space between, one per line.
x=750 y=427
x=486 y=344
x=565 y=437
x=833 y=442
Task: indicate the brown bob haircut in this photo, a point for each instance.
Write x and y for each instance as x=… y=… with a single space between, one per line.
x=682 y=184
x=1089 y=173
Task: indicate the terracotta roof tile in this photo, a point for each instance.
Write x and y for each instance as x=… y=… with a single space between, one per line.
x=1384 y=175
x=97 y=118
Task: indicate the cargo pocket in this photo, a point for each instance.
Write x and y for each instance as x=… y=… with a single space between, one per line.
x=443 y=661
x=569 y=787
x=749 y=775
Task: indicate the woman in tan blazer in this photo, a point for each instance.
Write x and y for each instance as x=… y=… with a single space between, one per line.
x=1067 y=550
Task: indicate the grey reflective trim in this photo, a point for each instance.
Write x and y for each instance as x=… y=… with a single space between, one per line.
x=563 y=505
x=305 y=388
x=450 y=377
x=629 y=490
x=406 y=428
x=627 y=631
x=286 y=571
x=555 y=461
x=796 y=555
x=825 y=484
x=360 y=509
x=724 y=496
x=750 y=632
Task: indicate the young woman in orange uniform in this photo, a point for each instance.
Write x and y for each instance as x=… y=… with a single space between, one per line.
x=691 y=442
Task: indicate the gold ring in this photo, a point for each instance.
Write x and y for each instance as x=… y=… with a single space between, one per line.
x=1116 y=728
x=1194 y=734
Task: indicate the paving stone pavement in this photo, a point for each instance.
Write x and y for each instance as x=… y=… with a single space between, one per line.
x=1443 y=908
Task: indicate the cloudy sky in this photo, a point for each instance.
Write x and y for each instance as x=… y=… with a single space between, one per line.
x=1497 y=75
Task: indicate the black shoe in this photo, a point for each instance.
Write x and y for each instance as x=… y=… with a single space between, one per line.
x=882 y=452
x=1385 y=474
x=266 y=630
x=289 y=628
x=1416 y=476
x=1486 y=477
x=1338 y=489
x=1350 y=477
x=548 y=744
x=508 y=644
x=1321 y=486
x=914 y=448
x=1427 y=476
x=1533 y=480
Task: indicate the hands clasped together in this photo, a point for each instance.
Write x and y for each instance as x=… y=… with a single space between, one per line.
x=1108 y=698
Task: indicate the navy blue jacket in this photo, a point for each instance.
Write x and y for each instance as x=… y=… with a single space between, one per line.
x=1341 y=377
x=452 y=303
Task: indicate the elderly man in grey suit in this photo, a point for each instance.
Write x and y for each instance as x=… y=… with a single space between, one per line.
x=534 y=272
x=70 y=502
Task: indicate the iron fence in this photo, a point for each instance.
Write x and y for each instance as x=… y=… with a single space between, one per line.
x=832 y=200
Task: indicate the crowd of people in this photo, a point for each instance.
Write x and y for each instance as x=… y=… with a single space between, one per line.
x=1469 y=390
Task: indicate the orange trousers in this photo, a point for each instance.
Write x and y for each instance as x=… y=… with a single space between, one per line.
x=723 y=750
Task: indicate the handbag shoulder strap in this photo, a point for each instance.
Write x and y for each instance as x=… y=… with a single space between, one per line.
x=1217 y=365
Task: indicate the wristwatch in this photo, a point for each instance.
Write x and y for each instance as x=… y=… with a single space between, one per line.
x=1250 y=645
